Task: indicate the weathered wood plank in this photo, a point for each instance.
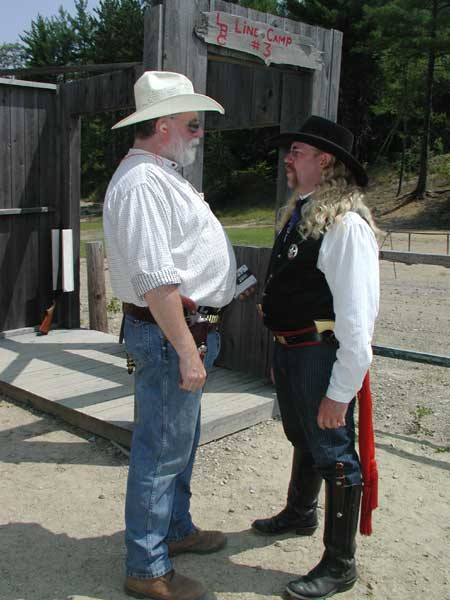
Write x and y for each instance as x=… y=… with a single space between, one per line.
x=245 y=339
x=153 y=37
x=5 y=148
x=335 y=75
x=73 y=417
x=266 y=98
x=102 y=93
x=31 y=155
x=95 y=263
x=415 y=258
x=69 y=309
x=103 y=403
x=296 y=103
x=238 y=107
x=18 y=147
x=184 y=53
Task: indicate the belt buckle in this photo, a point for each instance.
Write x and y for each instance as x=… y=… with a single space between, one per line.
x=212 y=319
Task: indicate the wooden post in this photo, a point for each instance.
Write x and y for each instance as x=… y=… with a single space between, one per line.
x=153 y=36
x=98 y=318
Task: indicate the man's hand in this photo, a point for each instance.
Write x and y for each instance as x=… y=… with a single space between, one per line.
x=166 y=307
x=331 y=414
x=247 y=293
x=192 y=372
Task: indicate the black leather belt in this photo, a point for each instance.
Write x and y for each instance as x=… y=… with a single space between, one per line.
x=309 y=336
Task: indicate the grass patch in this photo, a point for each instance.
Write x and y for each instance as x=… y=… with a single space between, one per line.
x=252 y=214
x=251 y=236
x=92 y=230
x=93 y=223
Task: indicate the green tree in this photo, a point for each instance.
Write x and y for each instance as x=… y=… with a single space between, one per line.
x=419 y=32
x=50 y=41
x=119 y=31
x=60 y=40
x=12 y=56
x=360 y=75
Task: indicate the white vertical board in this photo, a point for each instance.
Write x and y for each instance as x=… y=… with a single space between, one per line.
x=68 y=284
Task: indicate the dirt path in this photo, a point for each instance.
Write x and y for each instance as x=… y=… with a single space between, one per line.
x=62 y=516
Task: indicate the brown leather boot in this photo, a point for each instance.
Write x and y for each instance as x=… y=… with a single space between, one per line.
x=170 y=586
x=199 y=542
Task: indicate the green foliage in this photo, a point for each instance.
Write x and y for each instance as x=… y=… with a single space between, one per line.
x=360 y=73
x=12 y=56
x=417 y=425
x=239 y=165
x=440 y=163
x=114 y=306
x=412 y=38
x=387 y=45
x=443 y=449
x=114 y=33
x=119 y=31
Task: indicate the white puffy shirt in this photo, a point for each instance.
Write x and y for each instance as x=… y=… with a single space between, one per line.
x=159 y=231
x=348 y=258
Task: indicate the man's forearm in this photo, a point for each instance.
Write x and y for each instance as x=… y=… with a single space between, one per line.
x=166 y=307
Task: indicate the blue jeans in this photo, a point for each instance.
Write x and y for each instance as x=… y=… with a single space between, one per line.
x=165 y=439
x=302 y=376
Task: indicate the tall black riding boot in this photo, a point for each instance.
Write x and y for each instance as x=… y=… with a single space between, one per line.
x=300 y=512
x=336 y=572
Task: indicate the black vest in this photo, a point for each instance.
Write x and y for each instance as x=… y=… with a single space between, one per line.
x=296 y=291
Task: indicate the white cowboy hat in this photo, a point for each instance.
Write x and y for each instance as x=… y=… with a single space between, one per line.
x=161 y=93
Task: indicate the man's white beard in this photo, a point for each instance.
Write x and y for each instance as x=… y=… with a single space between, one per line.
x=182 y=152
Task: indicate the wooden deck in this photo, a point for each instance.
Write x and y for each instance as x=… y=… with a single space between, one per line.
x=80 y=376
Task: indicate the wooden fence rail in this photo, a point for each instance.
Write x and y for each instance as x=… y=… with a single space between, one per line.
x=246 y=342
x=414 y=258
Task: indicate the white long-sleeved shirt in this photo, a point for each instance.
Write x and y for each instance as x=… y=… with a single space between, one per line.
x=348 y=258
x=160 y=231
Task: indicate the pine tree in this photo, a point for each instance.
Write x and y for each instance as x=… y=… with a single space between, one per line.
x=119 y=31
x=360 y=75
x=419 y=32
x=12 y=56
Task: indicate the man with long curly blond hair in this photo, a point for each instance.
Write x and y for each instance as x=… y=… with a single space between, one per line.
x=320 y=301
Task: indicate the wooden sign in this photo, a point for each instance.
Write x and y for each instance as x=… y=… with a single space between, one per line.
x=270 y=44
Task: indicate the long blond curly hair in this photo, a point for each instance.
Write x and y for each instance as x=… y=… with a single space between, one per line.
x=336 y=195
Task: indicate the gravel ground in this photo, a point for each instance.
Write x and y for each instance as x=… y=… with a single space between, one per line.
x=62 y=490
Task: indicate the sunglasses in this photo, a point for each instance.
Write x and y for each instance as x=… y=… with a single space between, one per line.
x=193 y=125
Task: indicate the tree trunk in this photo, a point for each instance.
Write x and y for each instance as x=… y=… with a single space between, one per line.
x=419 y=192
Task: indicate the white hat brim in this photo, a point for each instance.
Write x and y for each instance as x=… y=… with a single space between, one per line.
x=171 y=106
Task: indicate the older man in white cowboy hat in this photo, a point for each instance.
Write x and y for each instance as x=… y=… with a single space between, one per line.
x=320 y=301
x=165 y=248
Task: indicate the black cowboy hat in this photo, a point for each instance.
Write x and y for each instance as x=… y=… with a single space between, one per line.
x=329 y=137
